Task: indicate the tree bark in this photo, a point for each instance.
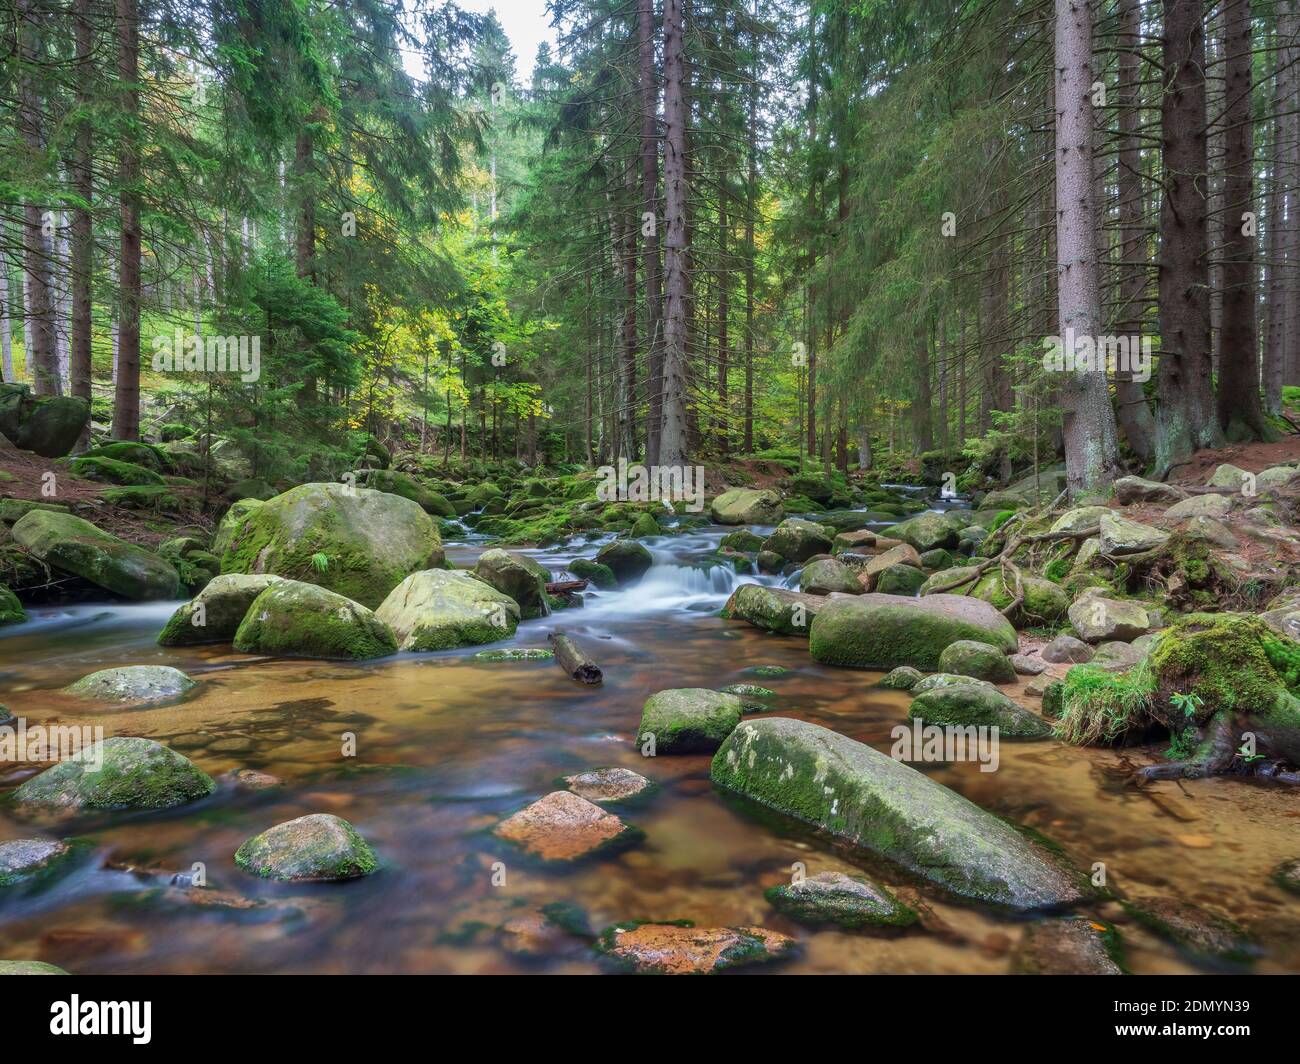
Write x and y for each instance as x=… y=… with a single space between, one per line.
x=126 y=402
x=82 y=235
x=673 y=427
x=650 y=266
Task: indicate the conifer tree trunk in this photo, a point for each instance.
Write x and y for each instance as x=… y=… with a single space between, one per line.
x=673 y=426
x=126 y=403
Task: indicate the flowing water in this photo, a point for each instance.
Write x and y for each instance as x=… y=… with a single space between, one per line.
x=446 y=746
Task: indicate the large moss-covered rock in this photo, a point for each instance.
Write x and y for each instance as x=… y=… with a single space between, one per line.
x=747 y=506
x=119 y=773
x=357 y=542
x=599 y=574
x=112 y=471
x=436 y=610
x=518 y=576
x=899 y=580
x=47 y=424
x=316 y=847
x=75 y=546
x=966 y=705
x=134 y=684
x=774 y=609
x=870 y=800
x=1045 y=603
x=408 y=487
x=645 y=526
x=11 y=610
x=305 y=621
x=885 y=631
x=215 y=613
x=834 y=898
x=690 y=720
x=797 y=540
x=928 y=531
x=825 y=575
x=627 y=559
x=972 y=658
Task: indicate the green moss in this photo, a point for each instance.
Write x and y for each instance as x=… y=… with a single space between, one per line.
x=113 y=471
x=1223 y=660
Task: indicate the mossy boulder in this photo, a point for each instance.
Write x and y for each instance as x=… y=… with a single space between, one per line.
x=797 y=540
x=825 y=575
x=300 y=620
x=142 y=454
x=644 y=526
x=231 y=521
x=690 y=720
x=835 y=898
x=747 y=506
x=436 y=609
x=518 y=576
x=869 y=800
x=903 y=678
x=317 y=847
x=132 y=684
x=11 y=610
x=899 y=579
x=50 y=425
x=111 y=471
x=597 y=573
x=215 y=613
x=928 y=531
x=977 y=705
x=354 y=541
x=12 y=509
x=408 y=487
x=774 y=609
x=75 y=546
x=884 y=631
x=971 y=658
x=118 y=773
x=742 y=540
x=483 y=493
x=626 y=559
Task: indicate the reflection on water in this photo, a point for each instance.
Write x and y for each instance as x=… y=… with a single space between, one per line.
x=446 y=746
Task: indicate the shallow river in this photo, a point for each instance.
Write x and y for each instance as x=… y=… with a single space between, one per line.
x=447 y=746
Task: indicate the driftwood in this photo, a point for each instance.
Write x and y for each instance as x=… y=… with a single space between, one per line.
x=565 y=587
x=573 y=661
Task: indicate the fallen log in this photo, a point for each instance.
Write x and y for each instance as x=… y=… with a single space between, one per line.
x=573 y=661
x=564 y=587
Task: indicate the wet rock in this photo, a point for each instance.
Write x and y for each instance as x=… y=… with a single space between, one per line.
x=1198 y=931
x=1065 y=649
x=868 y=799
x=75 y=546
x=215 y=613
x=29 y=968
x=303 y=620
x=531 y=936
x=119 y=773
x=608 y=784
x=516 y=654
x=749 y=690
x=1071 y=946
x=774 y=609
x=825 y=575
x=966 y=705
x=1099 y=619
x=628 y=560
x=768 y=561
x=1199 y=506
x=1287 y=875
x=797 y=540
x=689 y=720
x=599 y=574
x=928 y=531
x=747 y=506
x=517 y=576
x=674 y=949
x=1028 y=665
x=645 y=526
x=355 y=542
x=742 y=540
x=563 y=827
x=134 y=684
x=316 y=847
x=22 y=860
x=835 y=898
x=903 y=678
x=984 y=662
x=885 y=631
x=1119 y=535
x=247 y=779
x=1134 y=489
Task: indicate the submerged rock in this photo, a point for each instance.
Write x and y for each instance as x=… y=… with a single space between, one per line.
x=303 y=620
x=747 y=506
x=965 y=705
x=677 y=949
x=516 y=654
x=774 y=609
x=870 y=800
x=518 y=576
x=1071 y=946
x=319 y=847
x=22 y=860
x=627 y=559
x=563 y=827
x=971 y=658
x=608 y=784
x=1198 y=931
x=215 y=613
x=75 y=546
x=834 y=898
x=134 y=683
x=1287 y=875
x=119 y=773
x=690 y=720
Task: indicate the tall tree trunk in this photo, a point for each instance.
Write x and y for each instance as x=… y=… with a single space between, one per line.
x=673 y=430
x=1090 y=436
x=650 y=267
x=724 y=338
x=82 y=236
x=126 y=402
x=1274 y=344
x=1185 y=415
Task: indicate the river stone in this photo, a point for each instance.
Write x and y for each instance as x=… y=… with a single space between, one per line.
x=1027 y=665
x=984 y=662
x=563 y=827
x=825 y=575
x=608 y=784
x=627 y=559
x=742 y=540
x=903 y=678
x=436 y=610
x=1199 y=506
x=118 y=773
x=689 y=720
x=747 y=506
x=853 y=541
x=1135 y=489
x=224 y=600
x=773 y=609
x=518 y=576
x=25 y=859
x=1066 y=650
x=897 y=580
x=29 y=968
x=302 y=620
x=317 y=847
x=78 y=547
x=645 y=526
x=1074 y=945
x=797 y=540
x=966 y=705
x=673 y=949
x=1098 y=619
x=1196 y=930
x=598 y=574
x=370 y=540
x=936 y=559
x=134 y=684
x=1229 y=477
x=928 y=531
x=868 y=799
x=1119 y=535
x=11 y=610
x=938 y=680
x=1079 y=518
x=885 y=631
x=1287 y=875
x=834 y=898
x=50 y=425
x=1116 y=655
